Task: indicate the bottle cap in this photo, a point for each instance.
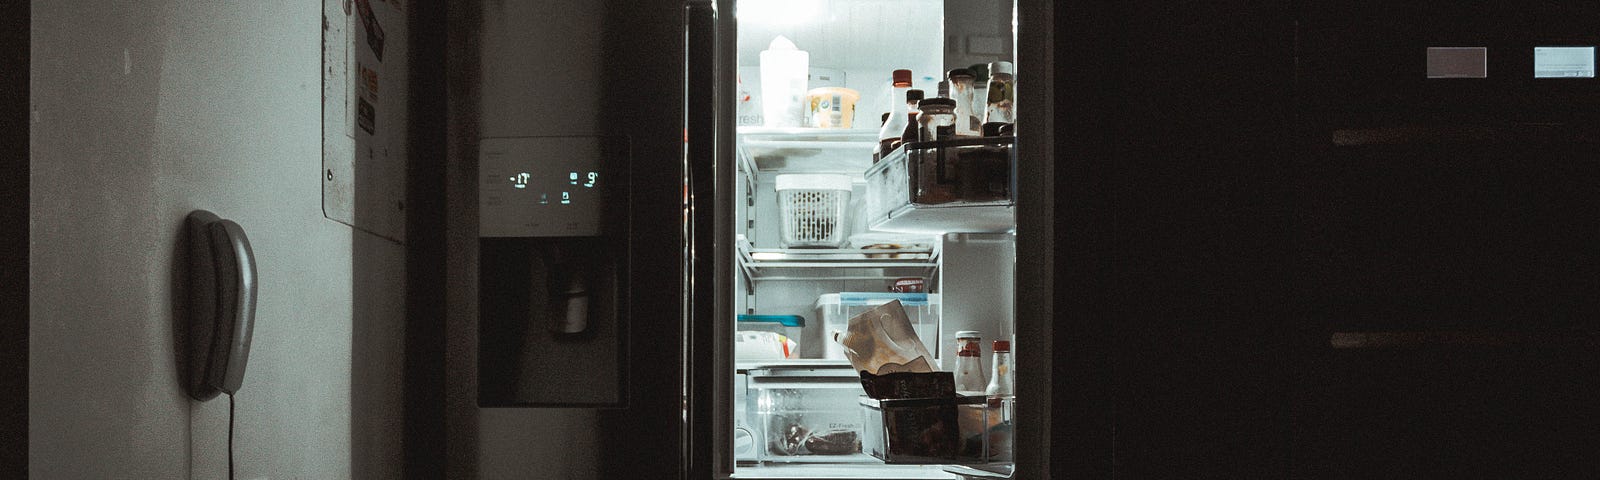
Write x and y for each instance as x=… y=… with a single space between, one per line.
x=929 y=102
x=944 y=89
x=883 y=120
x=960 y=72
x=968 y=334
x=999 y=68
x=902 y=78
x=913 y=95
x=1002 y=345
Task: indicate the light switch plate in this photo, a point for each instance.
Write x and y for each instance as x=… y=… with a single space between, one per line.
x=1458 y=62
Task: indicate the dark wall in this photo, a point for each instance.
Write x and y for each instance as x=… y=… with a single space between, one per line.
x=1200 y=187
x=1210 y=241
x=1175 y=221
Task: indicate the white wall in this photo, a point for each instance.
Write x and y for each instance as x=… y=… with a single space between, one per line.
x=143 y=111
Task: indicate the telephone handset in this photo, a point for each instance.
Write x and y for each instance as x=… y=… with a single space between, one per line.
x=222 y=304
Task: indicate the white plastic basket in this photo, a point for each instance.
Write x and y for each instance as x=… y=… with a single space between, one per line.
x=813 y=209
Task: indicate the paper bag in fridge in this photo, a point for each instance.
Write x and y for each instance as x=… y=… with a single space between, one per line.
x=881 y=341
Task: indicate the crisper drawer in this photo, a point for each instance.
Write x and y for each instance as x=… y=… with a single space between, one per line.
x=963 y=185
x=806 y=414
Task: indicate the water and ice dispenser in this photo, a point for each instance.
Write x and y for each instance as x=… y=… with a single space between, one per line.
x=553 y=236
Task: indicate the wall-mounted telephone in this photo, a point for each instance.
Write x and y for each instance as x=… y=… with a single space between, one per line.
x=222 y=304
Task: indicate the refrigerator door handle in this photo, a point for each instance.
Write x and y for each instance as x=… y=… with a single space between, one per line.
x=705 y=456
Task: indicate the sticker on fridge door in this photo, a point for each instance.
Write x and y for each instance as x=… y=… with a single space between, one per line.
x=369 y=83
x=366 y=115
x=374 y=32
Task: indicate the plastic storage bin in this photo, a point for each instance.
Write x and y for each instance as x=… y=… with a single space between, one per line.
x=919 y=431
x=788 y=325
x=813 y=209
x=806 y=414
x=762 y=337
x=961 y=185
x=833 y=312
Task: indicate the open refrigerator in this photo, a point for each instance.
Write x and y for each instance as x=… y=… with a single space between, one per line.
x=810 y=229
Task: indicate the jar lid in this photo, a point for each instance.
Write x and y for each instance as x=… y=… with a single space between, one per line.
x=968 y=334
x=992 y=129
x=1002 y=345
x=902 y=78
x=961 y=72
x=913 y=95
x=937 y=102
x=998 y=68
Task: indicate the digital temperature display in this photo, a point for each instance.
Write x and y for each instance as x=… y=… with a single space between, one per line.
x=520 y=181
x=540 y=187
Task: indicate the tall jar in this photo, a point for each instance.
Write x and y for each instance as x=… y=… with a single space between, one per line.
x=969 y=119
x=937 y=119
x=1002 y=94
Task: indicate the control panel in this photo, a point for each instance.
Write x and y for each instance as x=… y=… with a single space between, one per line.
x=542 y=186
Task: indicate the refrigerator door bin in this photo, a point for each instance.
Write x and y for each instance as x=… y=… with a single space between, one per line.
x=919 y=431
x=962 y=185
x=806 y=413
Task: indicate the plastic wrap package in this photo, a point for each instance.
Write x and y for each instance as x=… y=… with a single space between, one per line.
x=881 y=341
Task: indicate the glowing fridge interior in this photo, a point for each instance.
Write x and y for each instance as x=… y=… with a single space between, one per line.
x=867 y=200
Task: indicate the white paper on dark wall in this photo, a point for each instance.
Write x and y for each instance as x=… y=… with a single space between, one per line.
x=1563 y=62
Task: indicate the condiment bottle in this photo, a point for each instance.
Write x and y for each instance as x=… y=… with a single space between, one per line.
x=969 y=367
x=1002 y=94
x=913 y=109
x=895 y=126
x=937 y=120
x=968 y=122
x=877 y=149
x=1001 y=390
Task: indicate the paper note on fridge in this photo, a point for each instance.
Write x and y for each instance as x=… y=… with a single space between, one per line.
x=881 y=341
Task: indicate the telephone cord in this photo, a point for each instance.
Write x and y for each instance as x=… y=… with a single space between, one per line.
x=230 y=436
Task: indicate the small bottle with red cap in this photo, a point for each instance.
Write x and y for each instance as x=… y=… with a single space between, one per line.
x=1001 y=389
x=895 y=126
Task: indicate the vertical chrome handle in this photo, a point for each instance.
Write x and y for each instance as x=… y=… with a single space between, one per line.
x=699 y=137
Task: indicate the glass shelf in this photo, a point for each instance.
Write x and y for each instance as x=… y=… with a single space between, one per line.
x=806 y=150
x=825 y=263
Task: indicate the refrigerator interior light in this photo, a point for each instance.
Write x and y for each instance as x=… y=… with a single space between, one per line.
x=778 y=12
